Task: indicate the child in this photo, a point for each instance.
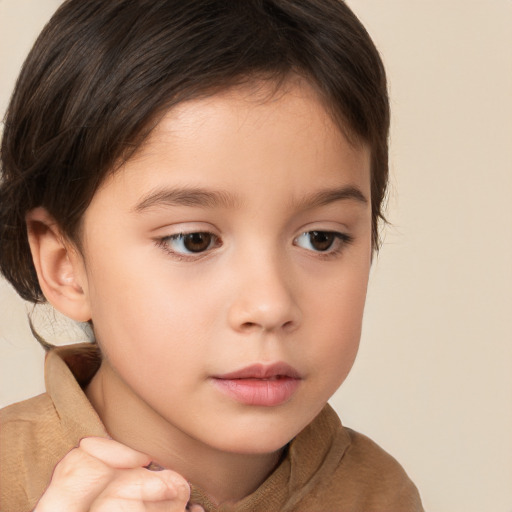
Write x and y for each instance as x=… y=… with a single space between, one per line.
x=202 y=182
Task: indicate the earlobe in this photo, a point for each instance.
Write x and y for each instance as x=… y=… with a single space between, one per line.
x=59 y=266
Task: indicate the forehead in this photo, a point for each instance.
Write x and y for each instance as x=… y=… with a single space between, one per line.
x=247 y=138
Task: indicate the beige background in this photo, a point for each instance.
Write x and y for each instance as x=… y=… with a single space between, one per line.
x=433 y=381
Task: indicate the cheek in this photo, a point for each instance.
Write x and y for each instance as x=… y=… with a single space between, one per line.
x=144 y=314
x=337 y=316
x=337 y=342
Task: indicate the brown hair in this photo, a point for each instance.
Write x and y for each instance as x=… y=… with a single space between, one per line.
x=101 y=72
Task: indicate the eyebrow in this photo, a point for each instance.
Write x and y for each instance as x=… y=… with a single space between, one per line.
x=187 y=196
x=206 y=198
x=328 y=196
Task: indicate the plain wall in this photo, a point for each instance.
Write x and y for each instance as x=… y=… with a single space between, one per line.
x=433 y=380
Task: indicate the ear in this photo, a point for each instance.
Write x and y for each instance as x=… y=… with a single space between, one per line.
x=59 y=266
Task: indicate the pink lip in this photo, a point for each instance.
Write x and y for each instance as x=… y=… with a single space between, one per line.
x=263 y=385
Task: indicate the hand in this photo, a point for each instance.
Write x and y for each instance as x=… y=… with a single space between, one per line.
x=102 y=475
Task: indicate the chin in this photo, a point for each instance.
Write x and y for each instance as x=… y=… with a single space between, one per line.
x=257 y=439
x=255 y=446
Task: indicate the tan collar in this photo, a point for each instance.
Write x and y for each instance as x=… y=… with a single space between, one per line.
x=312 y=455
x=68 y=369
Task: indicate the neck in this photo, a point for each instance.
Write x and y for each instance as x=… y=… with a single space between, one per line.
x=223 y=476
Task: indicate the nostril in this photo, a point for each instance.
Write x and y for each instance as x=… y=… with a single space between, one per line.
x=267 y=311
x=249 y=325
x=288 y=325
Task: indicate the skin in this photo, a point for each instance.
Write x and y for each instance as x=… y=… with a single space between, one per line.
x=168 y=320
x=101 y=475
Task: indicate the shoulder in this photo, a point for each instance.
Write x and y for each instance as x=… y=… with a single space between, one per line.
x=25 y=411
x=36 y=434
x=376 y=480
x=349 y=472
x=371 y=460
x=31 y=442
x=27 y=425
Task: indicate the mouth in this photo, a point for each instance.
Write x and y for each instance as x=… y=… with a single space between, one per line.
x=260 y=385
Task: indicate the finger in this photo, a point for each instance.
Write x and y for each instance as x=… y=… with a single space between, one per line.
x=114 y=454
x=195 y=508
x=146 y=486
x=118 y=504
x=142 y=485
x=177 y=482
x=76 y=481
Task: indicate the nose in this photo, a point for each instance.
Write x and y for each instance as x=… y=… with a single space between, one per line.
x=265 y=298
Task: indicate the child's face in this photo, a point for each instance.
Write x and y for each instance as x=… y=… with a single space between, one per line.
x=263 y=182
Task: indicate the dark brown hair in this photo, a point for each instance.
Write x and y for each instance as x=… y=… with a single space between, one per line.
x=102 y=72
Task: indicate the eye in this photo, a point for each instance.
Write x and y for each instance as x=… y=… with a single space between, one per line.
x=322 y=241
x=190 y=243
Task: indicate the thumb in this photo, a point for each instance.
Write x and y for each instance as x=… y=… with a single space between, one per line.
x=194 y=508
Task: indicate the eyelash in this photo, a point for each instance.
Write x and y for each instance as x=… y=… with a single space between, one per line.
x=340 y=240
x=164 y=243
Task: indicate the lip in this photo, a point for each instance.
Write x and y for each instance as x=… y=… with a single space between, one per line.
x=259 y=384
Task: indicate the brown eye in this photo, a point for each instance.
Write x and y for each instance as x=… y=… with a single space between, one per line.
x=329 y=242
x=182 y=244
x=197 y=242
x=321 y=240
